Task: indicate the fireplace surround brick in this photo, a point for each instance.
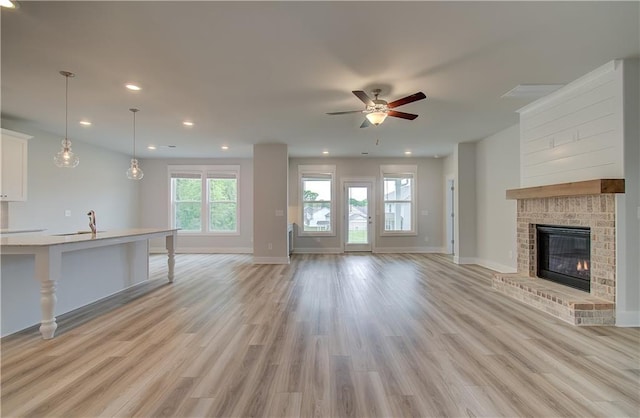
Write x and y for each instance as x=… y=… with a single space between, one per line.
x=580 y=308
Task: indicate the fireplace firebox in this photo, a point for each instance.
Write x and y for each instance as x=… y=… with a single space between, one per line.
x=564 y=255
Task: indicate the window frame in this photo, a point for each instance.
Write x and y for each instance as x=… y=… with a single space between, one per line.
x=205 y=172
x=399 y=171
x=320 y=172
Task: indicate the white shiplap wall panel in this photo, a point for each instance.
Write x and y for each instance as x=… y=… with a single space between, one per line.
x=572 y=148
x=589 y=93
x=575 y=133
x=574 y=120
x=569 y=176
x=601 y=158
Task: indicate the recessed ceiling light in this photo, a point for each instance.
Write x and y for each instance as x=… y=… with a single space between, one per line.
x=436 y=156
x=85 y=123
x=8 y=4
x=133 y=87
x=224 y=147
x=407 y=153
x=325 y=152
x=187 y=123
x=151 y=147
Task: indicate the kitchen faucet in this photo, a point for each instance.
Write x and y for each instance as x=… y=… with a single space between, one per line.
x=92 y=222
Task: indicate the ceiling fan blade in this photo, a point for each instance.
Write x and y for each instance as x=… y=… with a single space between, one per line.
x=363 y=96
x=405 y=100
x=402 y=115
x=366 y=123
x=344 y=113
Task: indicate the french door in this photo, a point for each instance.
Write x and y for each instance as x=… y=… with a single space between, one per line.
x=358 y=216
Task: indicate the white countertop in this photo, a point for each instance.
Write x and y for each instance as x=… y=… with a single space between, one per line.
x=47 y=240
x=19 y=231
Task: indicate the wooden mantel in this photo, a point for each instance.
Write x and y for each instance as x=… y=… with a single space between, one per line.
x=579 y=188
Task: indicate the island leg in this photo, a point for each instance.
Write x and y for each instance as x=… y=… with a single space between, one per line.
x=171 y=254
x=48 y=301
x=47 y=270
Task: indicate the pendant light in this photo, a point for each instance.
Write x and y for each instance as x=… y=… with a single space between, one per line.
x=66 y=158
x=134 y=172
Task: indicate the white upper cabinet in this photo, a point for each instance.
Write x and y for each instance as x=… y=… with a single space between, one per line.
x=13 y=157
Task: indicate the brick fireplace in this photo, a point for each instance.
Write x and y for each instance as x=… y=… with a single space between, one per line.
x=583 y=204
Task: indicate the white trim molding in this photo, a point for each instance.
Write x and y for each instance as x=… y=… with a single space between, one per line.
x=627 y=318
x=332 y=250
x=204 y=250
x=271 y=260
x=409 y=250
x=492 y=265
x=464 y=260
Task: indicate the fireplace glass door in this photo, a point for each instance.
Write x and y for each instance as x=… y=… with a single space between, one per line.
x=564 y=255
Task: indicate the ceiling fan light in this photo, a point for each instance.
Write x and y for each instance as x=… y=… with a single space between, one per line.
x=376 y=118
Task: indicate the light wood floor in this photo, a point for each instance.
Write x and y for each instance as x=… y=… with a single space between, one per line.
x=327 y=336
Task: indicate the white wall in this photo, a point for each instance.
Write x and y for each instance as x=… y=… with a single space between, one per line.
x=449 y=171
x=270 y=194
x=430 y=228
x=628 y=219
x=98 y=183
x=497 y=169
x=465 y=203
x=154 y=206
x=575 y=133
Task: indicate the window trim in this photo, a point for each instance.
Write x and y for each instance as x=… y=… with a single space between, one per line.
x=205 y=172
x=306 y=171
x=399 y=170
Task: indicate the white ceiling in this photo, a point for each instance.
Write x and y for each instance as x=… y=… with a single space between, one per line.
x=251 y=72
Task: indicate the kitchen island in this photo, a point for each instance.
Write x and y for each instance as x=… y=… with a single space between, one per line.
x=88 y=267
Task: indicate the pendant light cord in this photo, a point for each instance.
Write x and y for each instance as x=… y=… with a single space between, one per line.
x=66 y=110
x=134 y=135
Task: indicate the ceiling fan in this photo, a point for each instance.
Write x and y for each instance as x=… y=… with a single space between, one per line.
x=377 y=110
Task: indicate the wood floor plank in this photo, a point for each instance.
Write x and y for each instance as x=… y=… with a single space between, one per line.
x=357 y=335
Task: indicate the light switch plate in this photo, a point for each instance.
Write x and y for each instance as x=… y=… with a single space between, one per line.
x=67 y=213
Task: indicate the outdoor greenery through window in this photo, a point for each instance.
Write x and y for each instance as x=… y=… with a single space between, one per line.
x=223 y=204
x=204 y=199
x=186 y=194
x=317 y=201
x=399 y=200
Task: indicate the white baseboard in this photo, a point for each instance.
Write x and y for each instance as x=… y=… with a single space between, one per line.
x=465 y=260
x=204 y=250
x=627 y=318
x=332 y=250
x=492 y=265
x=271 y=260
x=408 y=250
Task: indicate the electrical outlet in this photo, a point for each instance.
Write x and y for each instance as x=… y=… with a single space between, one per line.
x=67 y=213
x=269 y=246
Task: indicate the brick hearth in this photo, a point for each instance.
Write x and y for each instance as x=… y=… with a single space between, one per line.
x=574 y=306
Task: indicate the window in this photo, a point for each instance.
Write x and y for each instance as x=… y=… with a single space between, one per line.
x=398 y=191
x=204 y=199
x=317 y=200
x=223 y=202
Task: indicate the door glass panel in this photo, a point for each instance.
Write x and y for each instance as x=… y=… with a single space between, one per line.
x=358 y=217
